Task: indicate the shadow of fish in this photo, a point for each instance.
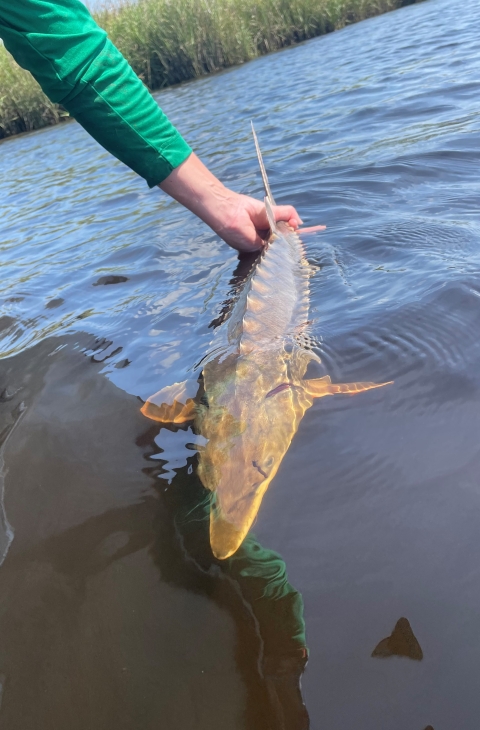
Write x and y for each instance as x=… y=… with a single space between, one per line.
x=252 y=394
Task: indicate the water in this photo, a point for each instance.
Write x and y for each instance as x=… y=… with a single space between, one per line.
x=112 y=612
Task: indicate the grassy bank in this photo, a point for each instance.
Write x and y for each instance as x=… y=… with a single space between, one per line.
x=23 y=105
x=168 y=41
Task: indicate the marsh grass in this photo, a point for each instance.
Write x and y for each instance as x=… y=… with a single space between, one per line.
x=169 y=41
x=23 y=105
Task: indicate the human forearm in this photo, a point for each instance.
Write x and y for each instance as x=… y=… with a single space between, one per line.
x=70 y=56
x=195 y=187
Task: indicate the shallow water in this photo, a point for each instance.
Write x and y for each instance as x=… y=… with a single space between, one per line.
x=113 y=613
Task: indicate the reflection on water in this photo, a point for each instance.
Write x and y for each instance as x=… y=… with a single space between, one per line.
x=6 y=530
x=70 y=585
x=253 y=585
x=225 y=407
x=113 y=612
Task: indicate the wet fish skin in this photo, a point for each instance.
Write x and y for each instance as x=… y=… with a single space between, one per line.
x=248 y=435
x=253 y=394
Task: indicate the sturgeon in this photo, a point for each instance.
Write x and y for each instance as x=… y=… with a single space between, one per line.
x=252 y=394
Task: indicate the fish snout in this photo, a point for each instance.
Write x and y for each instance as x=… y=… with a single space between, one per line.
x=225 y=538
x=234 y=510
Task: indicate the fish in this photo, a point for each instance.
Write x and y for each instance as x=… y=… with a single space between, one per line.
x=252 y=393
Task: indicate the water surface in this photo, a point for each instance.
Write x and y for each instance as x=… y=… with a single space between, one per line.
x=113 y=613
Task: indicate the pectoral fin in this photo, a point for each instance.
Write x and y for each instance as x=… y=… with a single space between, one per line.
x=319 y=387
x=173 y=404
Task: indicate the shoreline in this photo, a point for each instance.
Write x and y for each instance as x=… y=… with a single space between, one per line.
x=167 y=45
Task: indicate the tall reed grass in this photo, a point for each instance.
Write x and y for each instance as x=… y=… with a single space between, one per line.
x=23 y=105
x=168 y=41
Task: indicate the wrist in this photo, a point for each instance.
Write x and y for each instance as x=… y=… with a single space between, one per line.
x=195 y=187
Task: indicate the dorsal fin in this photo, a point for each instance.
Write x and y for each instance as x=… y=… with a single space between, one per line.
x=266 y=185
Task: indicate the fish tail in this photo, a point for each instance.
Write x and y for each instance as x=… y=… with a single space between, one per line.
x=266 y=185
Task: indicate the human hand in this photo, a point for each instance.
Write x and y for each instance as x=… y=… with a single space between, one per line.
x=241 y=221
x=244 y=223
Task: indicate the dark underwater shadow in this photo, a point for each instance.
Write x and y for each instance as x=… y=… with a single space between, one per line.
x=95 y=546
x=252 y=585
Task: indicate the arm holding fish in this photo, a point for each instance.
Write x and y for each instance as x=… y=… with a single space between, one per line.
x=241 y=221
x=77 y=66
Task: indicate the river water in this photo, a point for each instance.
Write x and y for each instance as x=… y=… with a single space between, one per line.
x=113 y=613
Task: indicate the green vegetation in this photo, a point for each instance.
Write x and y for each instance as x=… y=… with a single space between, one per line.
x=23 y=105
x=168 y=41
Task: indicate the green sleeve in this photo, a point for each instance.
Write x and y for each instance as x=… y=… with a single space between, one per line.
x=77 y=66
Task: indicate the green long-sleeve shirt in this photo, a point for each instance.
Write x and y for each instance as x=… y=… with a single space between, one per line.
x=77 y=66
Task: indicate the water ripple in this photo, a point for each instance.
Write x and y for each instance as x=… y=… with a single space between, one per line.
x=376 y=133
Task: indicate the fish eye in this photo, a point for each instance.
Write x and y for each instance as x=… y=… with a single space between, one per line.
x=268 y=462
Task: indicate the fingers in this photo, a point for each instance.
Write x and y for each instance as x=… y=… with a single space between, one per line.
x=246 y=241
x=250 y=246
x=288 y=214
x=259 y=243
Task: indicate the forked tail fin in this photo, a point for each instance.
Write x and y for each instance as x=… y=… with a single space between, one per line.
x=268 y=192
